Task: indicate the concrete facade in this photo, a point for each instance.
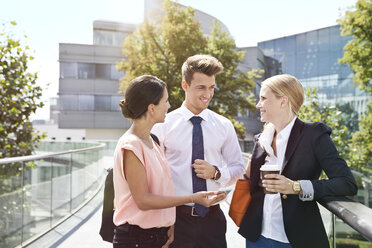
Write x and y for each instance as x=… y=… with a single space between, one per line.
x=89 y=88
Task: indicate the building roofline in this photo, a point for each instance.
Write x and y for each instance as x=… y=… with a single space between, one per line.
x=298 y=33
x=113 y=26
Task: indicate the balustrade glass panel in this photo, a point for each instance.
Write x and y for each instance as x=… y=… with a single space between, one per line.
x=61 y=186
x=11 y=202
x=37 y=197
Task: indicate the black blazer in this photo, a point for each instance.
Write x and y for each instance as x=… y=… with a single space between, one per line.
x=309 y=151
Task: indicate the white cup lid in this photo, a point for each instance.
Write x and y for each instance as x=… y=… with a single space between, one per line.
x=270 y=167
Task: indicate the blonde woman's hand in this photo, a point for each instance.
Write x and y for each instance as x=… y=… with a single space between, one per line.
x=280 y=185
x=207 y=198
x=248 y=169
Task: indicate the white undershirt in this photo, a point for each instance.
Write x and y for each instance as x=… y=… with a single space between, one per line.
x=272 y=221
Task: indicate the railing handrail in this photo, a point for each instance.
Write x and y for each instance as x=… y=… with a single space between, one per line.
x=355 y=214
x=41 y=156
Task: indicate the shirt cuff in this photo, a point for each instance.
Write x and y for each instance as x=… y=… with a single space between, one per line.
x=307 y=190
x=225 y=177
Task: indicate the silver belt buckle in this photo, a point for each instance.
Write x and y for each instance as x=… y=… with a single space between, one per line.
x=193 y=213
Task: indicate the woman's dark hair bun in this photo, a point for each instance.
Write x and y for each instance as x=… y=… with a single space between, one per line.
x=141 y=92
x=125 y=109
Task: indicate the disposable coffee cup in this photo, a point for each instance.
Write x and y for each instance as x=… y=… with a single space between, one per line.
x=269 y=169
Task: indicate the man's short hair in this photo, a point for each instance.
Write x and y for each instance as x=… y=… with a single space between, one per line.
x=205 y=64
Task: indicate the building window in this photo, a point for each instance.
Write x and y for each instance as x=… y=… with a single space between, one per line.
x=108 y=38
x=323 y=40
x=69 y=102
x=118 y=38
x=312 y=42
x=116 y=75
x=102 y=103
x=335 y=39
x=68 y=70
x=103 y=71
x=102 y=37
x=86 y=102
x=301 y=43
x=53 y=101
x=86 y=70
x=115 y=103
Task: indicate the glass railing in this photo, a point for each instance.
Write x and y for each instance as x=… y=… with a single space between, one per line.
x=38 y=192
x=348 y=221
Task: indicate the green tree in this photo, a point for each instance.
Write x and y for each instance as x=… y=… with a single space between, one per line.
x=350 y=117
x=358 y=54
x=19 y=99
x=361 y=146
x=358 y=51
x=161 y=48
x=313 y=111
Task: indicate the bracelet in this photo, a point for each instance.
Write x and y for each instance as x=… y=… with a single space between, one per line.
x=245 y=176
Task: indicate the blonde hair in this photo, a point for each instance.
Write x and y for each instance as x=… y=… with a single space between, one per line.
x=289 y=86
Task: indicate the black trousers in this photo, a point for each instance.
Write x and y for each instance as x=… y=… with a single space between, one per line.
x=132 y=236
x=200 y=232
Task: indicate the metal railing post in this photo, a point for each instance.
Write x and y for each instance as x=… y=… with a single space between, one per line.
x=22 y=198
x=70 y=182
x=333 y=231
x=51 y=192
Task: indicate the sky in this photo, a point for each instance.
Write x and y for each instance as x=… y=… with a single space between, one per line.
x=46 y=23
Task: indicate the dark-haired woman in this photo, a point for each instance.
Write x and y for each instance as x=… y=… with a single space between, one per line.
x=144 y=193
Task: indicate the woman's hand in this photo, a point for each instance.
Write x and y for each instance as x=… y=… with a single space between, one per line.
x=280 y=185
x=248 y=169
x=207 y=198
x=170 y=237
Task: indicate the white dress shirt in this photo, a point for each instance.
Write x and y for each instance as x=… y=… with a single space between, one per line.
x=220 y=144
x=272 y=221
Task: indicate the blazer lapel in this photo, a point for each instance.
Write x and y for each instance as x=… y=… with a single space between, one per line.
x=258 y=159
x=294 y=138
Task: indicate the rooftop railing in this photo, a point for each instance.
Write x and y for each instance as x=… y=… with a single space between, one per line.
x=38 y=192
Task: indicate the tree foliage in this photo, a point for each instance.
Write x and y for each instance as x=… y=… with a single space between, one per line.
x=361 y=145
x=19 y=99
x=358 y=51
x=350 y=116
x=161 y=48
x=313 y=111
x=358 y=54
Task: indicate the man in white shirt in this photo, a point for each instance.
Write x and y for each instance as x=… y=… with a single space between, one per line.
x=220 y=143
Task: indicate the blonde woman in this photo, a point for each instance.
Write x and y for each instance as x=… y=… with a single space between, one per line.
x=290 y=216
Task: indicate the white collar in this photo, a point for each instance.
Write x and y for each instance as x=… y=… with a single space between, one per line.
x=187 y=114
x=266 y=137
x=285 y=132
